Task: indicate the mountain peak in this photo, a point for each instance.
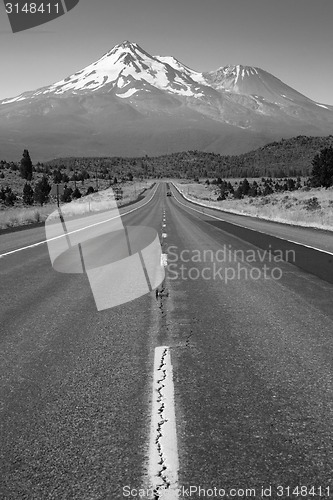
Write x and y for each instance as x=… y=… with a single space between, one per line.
x=128 y=100
x=126 y=44
x=124 y=47
x=128 y=69
x=238 y=70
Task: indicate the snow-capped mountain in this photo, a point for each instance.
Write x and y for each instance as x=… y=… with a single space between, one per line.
x=125 y=70
x=131 y=103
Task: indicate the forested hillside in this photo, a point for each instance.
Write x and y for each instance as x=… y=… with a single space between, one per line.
x=288 y=157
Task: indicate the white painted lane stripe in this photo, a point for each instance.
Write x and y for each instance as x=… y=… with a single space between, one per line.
x=164 y=259
x=240 y=225
x=77 y=230
x=163 y=451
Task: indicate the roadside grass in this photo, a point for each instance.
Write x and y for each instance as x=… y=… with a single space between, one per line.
x=18 y=216
x=95 y=202
x=309 y=208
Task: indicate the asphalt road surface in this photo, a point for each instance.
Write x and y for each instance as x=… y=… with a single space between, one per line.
x=251 y=344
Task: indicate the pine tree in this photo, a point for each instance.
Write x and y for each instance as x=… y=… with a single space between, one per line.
x=267 y=189
x=26 y=166
x=291 y=184
x=42 y=190
x=322 y=171
x=238 y=194
x=253 y=191
x=28 y=194
x=245 y=187
x=57 y=176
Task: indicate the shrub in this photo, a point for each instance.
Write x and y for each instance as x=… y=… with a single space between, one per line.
x=76 y=193
x=7 y=196
x=312 y=204
x=67 y=195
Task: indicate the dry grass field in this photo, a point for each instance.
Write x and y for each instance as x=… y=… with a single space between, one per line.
x=101 y=200
x=310 y=208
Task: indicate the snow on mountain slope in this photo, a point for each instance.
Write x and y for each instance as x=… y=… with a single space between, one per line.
x=248 y=80
x=126 y=64
x=129 y=101
x=127 y=70
x=174 y=63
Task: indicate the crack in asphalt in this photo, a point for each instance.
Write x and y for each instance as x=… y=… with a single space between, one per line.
x=162 y=473
x=163 y=453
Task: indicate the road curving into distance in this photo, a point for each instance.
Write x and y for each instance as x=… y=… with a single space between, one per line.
x=250 y=342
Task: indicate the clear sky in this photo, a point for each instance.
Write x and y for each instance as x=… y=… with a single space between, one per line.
x=292 y=39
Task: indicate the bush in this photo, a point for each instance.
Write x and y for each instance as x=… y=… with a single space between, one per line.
x=67 y=195
x=312 y=204
x=76 y=193
x=7 y=196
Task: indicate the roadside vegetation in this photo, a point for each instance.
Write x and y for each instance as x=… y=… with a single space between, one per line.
x=26 y=194
x=27 y=191
x=305 y=202
x=311 y=207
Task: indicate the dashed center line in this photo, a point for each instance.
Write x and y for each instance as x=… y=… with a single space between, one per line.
x=164 y=259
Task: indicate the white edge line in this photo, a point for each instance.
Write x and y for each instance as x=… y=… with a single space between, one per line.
x=240 y=225
x=77 y=230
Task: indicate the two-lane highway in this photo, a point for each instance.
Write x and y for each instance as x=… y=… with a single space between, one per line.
x=250 y=342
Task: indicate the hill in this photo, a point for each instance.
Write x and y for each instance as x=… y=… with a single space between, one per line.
x=288 y=157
